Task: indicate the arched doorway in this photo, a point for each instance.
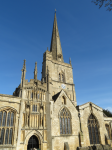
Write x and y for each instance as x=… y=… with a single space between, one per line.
x=33 y=143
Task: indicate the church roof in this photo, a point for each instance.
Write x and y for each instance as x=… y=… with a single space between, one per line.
x=56 y=96
x=55 y=42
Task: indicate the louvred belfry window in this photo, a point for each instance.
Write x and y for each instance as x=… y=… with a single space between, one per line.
x=6 y=127
x=93 y=129
x=65 y=121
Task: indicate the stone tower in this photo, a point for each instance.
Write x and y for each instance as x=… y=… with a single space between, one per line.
x=60 y=73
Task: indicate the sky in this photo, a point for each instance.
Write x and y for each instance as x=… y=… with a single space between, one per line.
x=86 y=37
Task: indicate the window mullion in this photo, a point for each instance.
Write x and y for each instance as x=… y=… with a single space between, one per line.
x=4 y=135
x=10 y=119
x=67 y=126
x=91 y=133
x=6 y=118
x=8 y=136
x=64 y=124
x=13 y=128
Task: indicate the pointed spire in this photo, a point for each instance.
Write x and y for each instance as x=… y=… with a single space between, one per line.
x=55 y=42
x=35 y=71
x=23 y=73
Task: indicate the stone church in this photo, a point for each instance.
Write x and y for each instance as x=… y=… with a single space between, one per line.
x=44 y=115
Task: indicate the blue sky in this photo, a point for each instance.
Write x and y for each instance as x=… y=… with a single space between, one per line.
x=85 y=34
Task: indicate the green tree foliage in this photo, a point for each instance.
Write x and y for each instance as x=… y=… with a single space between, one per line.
x=106 y=3
x=107 y=113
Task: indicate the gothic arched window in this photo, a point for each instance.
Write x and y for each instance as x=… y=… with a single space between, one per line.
x=93 y=129
x=65 y=121
x=6 y=127
x=61 y=77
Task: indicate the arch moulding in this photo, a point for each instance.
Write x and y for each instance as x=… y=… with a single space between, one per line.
x=36 y=133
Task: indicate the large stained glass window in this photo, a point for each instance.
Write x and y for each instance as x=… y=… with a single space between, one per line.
x=6 y=127
x=65 y=121
x=93 y=129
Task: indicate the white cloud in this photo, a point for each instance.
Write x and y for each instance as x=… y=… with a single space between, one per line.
x=109 y=108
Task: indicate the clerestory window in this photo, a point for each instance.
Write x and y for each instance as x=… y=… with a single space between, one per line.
x=6 y=127
x=65 y=121
x=93 y=129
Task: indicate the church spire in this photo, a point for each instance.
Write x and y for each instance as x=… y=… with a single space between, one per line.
x=35 y=71
x=55 y=42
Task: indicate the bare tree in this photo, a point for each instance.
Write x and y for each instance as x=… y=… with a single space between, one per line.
x=106 y=3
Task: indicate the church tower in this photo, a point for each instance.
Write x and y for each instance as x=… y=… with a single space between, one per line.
x=60 y=93
x=60 y=73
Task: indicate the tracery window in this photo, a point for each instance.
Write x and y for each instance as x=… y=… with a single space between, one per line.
x=6 y=127
x=65 y=121
x=93 y=129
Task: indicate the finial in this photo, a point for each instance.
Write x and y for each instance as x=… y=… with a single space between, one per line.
x=55 y=10
x=35 y=63
x=70 y=61
x=23 y=74
x=35 y=71
x=24 y=61
x=24 y=64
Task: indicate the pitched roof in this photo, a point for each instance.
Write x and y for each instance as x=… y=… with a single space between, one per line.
x=56 y=96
